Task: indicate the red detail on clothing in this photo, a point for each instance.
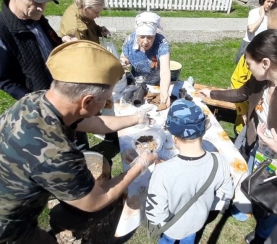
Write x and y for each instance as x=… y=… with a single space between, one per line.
x=154 y=63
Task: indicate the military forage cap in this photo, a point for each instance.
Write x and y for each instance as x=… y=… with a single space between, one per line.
x=185 y=120
x=84 y=62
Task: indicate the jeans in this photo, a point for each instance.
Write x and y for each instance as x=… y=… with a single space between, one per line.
x=266 y=225
x=251 y=160
x=164 y=239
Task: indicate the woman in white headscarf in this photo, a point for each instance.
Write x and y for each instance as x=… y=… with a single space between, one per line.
x=148 y=53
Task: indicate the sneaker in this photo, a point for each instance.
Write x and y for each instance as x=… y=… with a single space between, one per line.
x=253 y=238
x=104 y=137
x=100 y=136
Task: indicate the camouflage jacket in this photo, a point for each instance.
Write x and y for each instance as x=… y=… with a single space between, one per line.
x=38 y=157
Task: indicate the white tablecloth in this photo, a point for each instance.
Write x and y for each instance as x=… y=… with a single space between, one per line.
x=215 y=139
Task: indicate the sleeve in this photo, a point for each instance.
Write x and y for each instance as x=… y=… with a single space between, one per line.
x=68 y=25
x=98 y=30
x=234 y=95
x=126 y=45
x=253 y=16
x=226 y=190
x=164 y=47
x=156 y=202
x=66 y=176
x=240 y=76
x=7 y=83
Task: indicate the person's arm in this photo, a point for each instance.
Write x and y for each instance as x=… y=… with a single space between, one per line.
x=226 y=190
x=104 y=31
x=104 y=194
x=14 y=87
x=255 y=21
x=157 y=199
x=240 y=76
x=68 y=26
x=270 y=142
x=67 y=177
x=231 y=95
x=125 y=62
x=108 y=124
x=165 y=78
x=124 y=57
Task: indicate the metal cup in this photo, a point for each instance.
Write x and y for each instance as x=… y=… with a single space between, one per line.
x=139 y=80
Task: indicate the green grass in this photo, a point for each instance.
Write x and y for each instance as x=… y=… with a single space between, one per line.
x=237 y=11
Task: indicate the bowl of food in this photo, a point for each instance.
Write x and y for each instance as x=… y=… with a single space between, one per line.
x=147 y=140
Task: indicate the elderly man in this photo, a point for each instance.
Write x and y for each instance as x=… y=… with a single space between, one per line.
x=38 y=156
x=26 y=40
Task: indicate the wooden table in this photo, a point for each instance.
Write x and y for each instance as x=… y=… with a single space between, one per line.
x=215 y=139
x=213 y=102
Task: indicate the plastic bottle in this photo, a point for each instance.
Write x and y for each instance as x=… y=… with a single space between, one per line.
x=191 y=80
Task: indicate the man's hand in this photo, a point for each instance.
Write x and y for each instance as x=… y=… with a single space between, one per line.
x=69 y=38
x=143 y=117
x=145 y=158
x=270 y=142
x=205 y=92
x=105 y=32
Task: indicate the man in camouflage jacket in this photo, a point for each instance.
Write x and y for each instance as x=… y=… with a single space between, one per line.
x=38 y=156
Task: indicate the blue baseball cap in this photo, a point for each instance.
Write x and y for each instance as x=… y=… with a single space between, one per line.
x=186 y=120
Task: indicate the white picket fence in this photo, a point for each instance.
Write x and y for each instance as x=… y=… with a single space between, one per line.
x=191 y=5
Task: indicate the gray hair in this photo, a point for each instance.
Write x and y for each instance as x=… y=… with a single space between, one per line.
x=75 y=91
x=89 y=3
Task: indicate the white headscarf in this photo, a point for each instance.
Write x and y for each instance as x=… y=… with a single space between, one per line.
x=146 y=24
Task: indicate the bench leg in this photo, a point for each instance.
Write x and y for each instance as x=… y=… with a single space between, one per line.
x=215 y=112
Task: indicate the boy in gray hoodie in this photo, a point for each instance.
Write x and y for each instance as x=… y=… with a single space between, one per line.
x=175 y=181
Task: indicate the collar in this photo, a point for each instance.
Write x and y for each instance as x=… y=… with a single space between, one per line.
x=59 y=116
x=191 y=158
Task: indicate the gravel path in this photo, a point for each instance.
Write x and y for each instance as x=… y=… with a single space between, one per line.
x=175 y=29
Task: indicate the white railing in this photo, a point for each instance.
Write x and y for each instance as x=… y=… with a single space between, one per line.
x=191 y=5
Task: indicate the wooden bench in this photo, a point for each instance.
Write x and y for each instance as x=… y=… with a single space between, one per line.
x=215 y=103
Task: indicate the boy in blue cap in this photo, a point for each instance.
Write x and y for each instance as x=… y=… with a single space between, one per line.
x=175 y=181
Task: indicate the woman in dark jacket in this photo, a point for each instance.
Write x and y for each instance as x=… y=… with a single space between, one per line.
x=261 y=93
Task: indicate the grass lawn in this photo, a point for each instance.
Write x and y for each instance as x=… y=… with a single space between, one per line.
x=237 y=11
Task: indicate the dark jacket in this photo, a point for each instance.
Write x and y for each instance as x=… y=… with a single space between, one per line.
x=252 y=91
x=22 y=67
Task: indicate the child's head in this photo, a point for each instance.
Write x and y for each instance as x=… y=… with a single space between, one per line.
x=185 y=120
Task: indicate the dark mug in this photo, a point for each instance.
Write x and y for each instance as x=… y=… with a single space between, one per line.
x=182 y=93
x=139 y=94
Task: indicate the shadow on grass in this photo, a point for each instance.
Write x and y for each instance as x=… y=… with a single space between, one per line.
x=124 y=239
x=214 y=237
x=108 y=149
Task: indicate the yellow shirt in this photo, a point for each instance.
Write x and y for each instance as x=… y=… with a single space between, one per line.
x=240 y=76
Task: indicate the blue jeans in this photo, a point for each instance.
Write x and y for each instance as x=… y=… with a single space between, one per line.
x=251 y=160
x=265 y=225
x=164 y=239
